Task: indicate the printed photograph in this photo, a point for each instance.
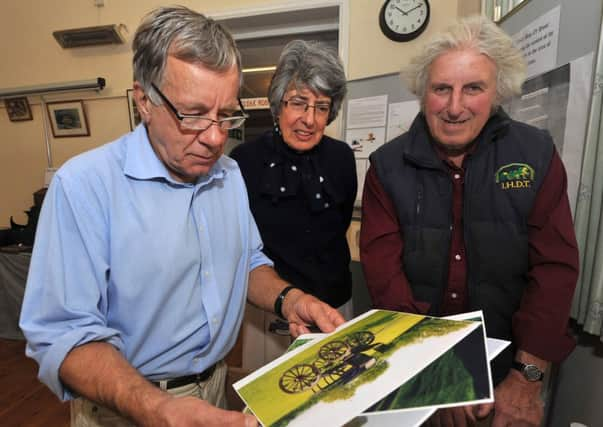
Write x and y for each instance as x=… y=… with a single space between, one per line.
x=460 y=376
x=332 y=380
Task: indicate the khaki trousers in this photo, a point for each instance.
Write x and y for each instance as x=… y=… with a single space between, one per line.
x=85 y=413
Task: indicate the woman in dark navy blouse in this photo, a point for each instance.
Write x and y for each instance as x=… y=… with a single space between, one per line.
x=301 y=183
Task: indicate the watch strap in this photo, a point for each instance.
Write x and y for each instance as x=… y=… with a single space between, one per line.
x=278 y=302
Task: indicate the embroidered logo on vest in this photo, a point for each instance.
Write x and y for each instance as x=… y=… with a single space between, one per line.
x=514 y=176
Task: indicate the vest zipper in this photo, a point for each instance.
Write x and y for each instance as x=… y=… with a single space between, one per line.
x=466 y=212
x=419 y=220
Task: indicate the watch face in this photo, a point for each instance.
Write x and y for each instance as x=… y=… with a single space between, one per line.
x=532 y=373
x=403 y=20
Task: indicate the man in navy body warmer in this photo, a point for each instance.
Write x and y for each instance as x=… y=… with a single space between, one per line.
x=468 y=211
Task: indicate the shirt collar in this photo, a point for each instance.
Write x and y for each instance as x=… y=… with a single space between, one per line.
x=143 y=163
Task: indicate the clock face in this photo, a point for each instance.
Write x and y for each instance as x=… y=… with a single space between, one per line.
x=403 y=20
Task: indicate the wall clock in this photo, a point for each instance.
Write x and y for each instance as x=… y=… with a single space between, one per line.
x=403 y=20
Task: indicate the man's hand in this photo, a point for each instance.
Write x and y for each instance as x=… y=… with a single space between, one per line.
x=303 y=310
x=517 y=402
x=194 y=412
x=115 y=384
x=461 y=416
x=300 y=309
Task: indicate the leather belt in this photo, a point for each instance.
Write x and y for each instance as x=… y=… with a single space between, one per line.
x=188 y=379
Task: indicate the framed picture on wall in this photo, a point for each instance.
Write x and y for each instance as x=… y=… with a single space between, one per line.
x=68 y=118
x=132 y=109
x=18 y=109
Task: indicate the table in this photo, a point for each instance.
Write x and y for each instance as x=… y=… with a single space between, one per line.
x=13 y=275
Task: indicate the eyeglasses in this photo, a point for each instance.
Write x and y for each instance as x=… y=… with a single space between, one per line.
x=300 y=106
x=200 y=123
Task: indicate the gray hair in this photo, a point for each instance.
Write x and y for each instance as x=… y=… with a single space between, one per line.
x=183 y=34
x=474 y=32
x=312 y=65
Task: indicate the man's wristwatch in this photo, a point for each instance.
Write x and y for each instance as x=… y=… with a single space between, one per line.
x=278 y=303
x=530 y=372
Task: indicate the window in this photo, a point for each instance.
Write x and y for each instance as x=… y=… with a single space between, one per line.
x=497 y=10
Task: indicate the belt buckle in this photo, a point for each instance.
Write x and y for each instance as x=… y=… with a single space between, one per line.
x=194 y=378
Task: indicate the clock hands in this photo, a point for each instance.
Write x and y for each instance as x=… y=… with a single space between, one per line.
x=405 y=13
x=400 y=10
x=408 y=11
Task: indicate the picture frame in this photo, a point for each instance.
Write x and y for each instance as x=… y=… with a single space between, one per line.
x=135 y=118
x=18 y=109
x=68 y=119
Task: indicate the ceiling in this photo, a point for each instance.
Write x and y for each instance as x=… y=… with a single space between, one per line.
x=261 y=39
x=267 y=24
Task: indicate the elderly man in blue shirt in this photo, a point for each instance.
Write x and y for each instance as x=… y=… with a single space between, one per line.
x=146 y=249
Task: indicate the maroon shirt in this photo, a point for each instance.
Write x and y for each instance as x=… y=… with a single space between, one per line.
x=540 y=324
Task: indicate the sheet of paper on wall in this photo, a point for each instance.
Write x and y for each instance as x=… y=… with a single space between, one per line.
x=364 y=141
x=538 y=42
x=400 y=116
x=366 y=112
x=331 y=380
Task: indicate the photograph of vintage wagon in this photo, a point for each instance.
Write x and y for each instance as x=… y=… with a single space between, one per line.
x=332 y=379
x=338 y=362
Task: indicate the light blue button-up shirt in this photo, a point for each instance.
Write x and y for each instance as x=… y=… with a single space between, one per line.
x=125 y=254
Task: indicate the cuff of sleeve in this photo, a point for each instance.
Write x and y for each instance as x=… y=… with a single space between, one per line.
x=258 y=259
x=50 y=362
x=551 y=347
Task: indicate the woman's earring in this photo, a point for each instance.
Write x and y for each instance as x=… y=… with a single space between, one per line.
x=277 y=129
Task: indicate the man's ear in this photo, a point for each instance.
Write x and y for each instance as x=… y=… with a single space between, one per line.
x=143 y=103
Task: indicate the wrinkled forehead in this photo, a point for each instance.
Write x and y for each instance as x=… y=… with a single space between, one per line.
x=462 y=63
